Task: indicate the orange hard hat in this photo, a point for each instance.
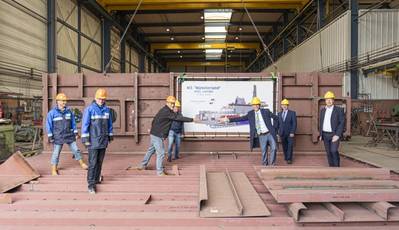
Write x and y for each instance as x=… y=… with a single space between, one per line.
x=171 y=99
x=61 y=97
x=101 y=93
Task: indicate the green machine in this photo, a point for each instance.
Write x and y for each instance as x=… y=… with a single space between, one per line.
x=395 y=111
x=7 y=141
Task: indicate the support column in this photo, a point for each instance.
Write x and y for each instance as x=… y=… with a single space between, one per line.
x=354 y=7
x=123 y=55
x=273 y=47
x=79 y=37
x=106 y=47
x=285 y=42
x=321 y=13
x=141 y=62
x=51 y=36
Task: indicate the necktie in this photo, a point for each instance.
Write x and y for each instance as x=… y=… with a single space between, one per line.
x=257 y=123
x=284 y=115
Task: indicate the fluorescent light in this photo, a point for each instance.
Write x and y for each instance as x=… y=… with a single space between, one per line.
x=215 y=29
x=213 y=51
x=218 y=37
x=218 y=15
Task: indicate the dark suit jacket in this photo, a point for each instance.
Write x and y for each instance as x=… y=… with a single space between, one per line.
x=289 y=125
x=250 y=117
x=337 y=121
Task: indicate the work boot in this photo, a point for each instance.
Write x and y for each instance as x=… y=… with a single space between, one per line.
x=141 y=167
x=92 y=191
x=162 y=174
x=54 y=171
x=83 y=165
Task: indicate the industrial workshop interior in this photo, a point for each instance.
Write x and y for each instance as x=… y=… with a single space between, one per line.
x=199 y=114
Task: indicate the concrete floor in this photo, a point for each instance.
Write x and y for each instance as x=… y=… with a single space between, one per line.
x=383 y=155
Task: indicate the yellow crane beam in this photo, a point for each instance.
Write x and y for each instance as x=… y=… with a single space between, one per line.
x=208 y=63
x=111 y=5
x=196 y=46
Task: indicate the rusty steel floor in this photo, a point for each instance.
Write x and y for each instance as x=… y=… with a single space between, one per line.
x=121 y=202
x=383 y=155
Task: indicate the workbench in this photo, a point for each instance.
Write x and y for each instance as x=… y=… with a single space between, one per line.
x=388 y=131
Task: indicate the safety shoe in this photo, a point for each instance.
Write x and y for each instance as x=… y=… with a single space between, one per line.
x=162 y=174
x=289 y=162
x=141 y=167
x=83 y=165
x=92 y=191
x=54 y=171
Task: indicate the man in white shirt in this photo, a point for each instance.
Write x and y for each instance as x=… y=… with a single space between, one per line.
x=332 y=123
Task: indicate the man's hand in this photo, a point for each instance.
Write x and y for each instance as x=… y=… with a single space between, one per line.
x=292 y=135
x=51 y=140
x=77 y=136
x=87 y=144
x=195 y=120
x=320 y=138
x=335 y=138
x=224 y=119
x=110 y=138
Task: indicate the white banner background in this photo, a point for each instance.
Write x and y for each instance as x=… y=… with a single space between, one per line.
x=212 y=96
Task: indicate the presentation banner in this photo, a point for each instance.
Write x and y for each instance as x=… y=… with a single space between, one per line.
x=209 y=101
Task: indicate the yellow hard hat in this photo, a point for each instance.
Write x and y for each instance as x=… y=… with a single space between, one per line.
x=171 y=99
x=255 y=101
x=285 y=102
x=329 y=95
x=101 y=93
x=177 y=103
x=61 y=97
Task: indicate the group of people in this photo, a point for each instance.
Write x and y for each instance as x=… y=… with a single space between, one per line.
x=97 y=133
x=265 y=127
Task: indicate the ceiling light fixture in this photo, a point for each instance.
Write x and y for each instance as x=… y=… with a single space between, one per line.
x=167 y=29
x=172 y=38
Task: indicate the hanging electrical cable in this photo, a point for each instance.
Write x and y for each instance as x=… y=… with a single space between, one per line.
x=123 y=36
x=265 y=47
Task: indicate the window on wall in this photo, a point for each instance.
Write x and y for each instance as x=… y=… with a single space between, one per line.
x=78 y=38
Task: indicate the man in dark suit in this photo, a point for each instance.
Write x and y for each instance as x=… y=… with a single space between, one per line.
x=287 y=128
x=262 y=130
x=331 y=126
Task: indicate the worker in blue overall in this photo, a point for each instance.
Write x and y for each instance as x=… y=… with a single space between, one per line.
x=96 y=134
x=61 y=129
x=287 y=129
x=175 y=132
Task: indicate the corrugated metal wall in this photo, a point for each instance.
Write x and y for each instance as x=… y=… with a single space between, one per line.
x=23 y=46
x=327 y=47
x=378 y=30
x=68 y=36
